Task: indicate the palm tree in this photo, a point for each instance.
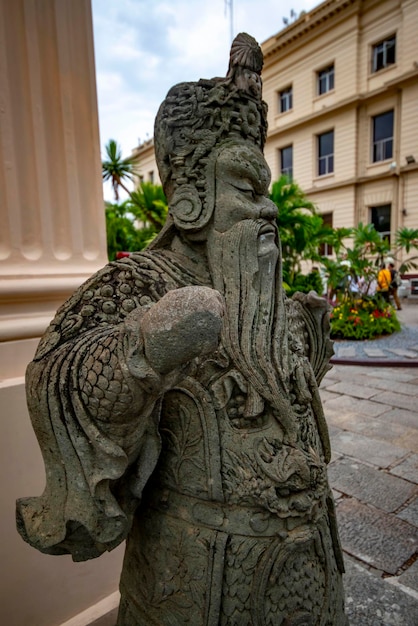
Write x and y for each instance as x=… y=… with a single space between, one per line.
x=299 y=225
x=149 y=204
x=116 y=169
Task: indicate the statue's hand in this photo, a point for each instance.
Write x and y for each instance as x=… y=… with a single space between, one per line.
x=184 y=324
x=311 y=300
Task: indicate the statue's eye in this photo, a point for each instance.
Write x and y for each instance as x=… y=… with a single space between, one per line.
x=247 y=189
x=250 y=194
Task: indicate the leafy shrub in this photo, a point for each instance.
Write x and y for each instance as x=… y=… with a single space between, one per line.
x=363 y=319
x=304 y=283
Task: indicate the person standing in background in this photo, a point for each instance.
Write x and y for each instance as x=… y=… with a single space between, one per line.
x=383 y=282
x=395 y=282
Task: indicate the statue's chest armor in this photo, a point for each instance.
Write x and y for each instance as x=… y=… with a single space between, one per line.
x=213 y=450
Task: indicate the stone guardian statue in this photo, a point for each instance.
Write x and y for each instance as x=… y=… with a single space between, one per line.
x=175 y=394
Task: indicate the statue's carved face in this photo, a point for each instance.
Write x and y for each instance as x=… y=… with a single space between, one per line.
x=242 y=178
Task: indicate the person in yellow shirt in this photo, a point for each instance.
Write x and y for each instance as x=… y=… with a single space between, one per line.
x=383 y=282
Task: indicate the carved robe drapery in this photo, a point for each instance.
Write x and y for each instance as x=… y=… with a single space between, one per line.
x=230 y=504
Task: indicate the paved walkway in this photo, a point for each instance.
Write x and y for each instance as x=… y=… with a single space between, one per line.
x=399 y=349
x=371 y=413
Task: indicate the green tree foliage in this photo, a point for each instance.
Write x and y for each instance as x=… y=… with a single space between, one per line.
x=116 y=169
x=149 y=205
x=132 y=224
x=407 y=239
x=122 y=234
x=301 y=229
x=360 y=253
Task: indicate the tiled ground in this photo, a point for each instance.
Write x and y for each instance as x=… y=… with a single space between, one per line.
x=373 y=420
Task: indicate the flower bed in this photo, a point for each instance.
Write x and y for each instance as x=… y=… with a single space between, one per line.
x=363 y=319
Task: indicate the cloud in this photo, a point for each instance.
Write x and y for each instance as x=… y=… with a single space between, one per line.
x=142 y=48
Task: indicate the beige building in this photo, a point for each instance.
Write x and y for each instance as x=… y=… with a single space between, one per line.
x=341 y=83
x=146 y=168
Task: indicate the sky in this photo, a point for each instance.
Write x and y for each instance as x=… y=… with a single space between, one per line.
x=142 y=48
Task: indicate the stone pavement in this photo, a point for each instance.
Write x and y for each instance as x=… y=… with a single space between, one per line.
x=372 y=417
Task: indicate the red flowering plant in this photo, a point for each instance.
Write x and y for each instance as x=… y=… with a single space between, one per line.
x=360 y=312
x=363 y=319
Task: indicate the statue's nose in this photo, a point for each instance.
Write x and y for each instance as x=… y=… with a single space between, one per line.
x=269 y=211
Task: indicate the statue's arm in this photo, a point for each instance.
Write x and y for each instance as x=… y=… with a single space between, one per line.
x=93 y=402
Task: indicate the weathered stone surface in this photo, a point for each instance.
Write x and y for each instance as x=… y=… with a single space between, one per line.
x=184 y=324
x=377 y=428
x=391 y=373
x=410 y=512
x=399 y=416
x=407 y=388
x=374 y=353
x=408 y=439
x=369 y=485
x=330 y=377
x=383 y=541
x=326 y=395
x=345 y=352
x=356 y=391
x=409 y=354
x=369 y=450
x=408 y=468
x=341 y=419
x=397 y=400
x=373 y=601
x=410 y=579
x=366 y=407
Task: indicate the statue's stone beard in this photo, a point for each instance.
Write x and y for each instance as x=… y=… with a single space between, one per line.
x=255 y=329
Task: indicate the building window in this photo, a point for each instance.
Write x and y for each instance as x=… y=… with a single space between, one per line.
x=384 y=53
x=325 y=80
x=286 y=99
x=151 y=176
x=325 y=249
x=326 y=153
x=380 y=218
x=382 y=137
x=286 y=161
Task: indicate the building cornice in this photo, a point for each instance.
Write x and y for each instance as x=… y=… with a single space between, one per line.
x=143 y=147
x=306 y=23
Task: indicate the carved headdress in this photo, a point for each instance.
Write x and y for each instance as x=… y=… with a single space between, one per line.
x=196 y=120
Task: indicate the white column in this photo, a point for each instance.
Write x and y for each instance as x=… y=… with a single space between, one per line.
x=52 y=237
x=52 y=228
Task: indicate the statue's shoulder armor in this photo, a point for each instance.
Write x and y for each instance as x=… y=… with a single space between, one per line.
x=107 y=298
